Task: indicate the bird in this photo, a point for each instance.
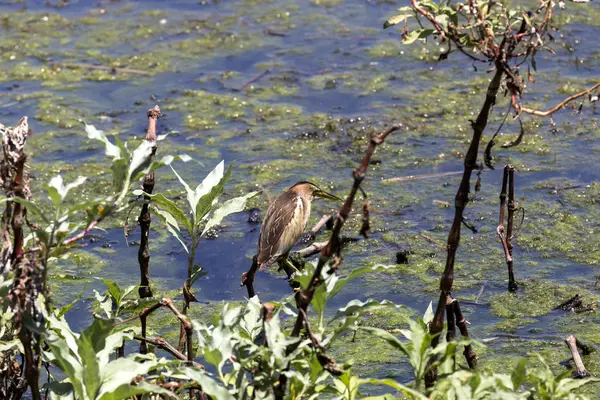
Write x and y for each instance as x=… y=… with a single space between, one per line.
x=285 y=222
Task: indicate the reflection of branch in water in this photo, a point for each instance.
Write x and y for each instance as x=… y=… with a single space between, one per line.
x=424 y=176
x=106 y=68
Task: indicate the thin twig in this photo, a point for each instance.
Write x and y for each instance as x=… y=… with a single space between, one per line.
x=251 y=81
x=432 y=241
x=164 y=345
x=557 y=107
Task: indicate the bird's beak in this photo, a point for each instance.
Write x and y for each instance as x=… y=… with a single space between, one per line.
x=325 y=195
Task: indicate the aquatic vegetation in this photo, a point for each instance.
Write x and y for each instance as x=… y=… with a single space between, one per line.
x=334 y=80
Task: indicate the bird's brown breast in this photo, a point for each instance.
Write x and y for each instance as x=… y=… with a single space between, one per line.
x=282 y=227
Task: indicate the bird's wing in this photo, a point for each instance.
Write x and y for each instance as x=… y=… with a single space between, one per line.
x=275 y=227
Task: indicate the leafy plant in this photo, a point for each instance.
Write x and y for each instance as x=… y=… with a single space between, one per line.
x=202 y=216
x=85 y=360
x=114 y=301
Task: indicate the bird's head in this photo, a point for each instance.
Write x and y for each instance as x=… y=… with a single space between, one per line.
x=309 y=189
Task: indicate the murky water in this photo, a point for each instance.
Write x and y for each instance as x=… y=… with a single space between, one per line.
x=334 y=77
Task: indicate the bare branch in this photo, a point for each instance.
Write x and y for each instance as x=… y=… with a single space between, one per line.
x=551 y=111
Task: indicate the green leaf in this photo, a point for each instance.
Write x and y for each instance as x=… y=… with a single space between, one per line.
x=63 y=344
x=191 y=195
x=127 y=391
x=119 y=170
x=106 y=303
x=113 y=289
x=141 y=158
x=428 y=316
x=197 y=273
x=172 y=226
x=209 y=386
x=417 y=34
x=411 y=393
x=234 y=205
x=112 y=151
x=118 y=374
x=388 y=337
x=112 y=342
x=519 y=374
x=395 y=20
x=169 y=159
x=64 y=390
x=209 y=190
x=169 y=206
x=350 y=314
x=90 y=341
x=58 y=191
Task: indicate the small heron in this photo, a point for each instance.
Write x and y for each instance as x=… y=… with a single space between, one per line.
x=285 y=222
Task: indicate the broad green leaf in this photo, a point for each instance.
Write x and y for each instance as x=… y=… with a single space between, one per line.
x=388 y=337
x=428 y=316
x=90 y=341
x=234 y=205
x=395 y=20
x=118 y=374
x=112 y=342
x=63 y=343
x=519 y=374
x=141 y=158
x=211 y=180
x=106 y=303
x=112 y=151
x=209 y=385
x=113 y=289
x=417 y=34
x=170 y=207
x=127 y=291
x=127 y=391
x=350 y=314
x=356 y=307
x=169 y=159
x=207 y=194
x=197 y=273
x=411 y=393
x=442 y=19
x=57 y=190
x=569 y=385
x=119 y=169
x=60 y=390
x=171 y=224
x=191 y=195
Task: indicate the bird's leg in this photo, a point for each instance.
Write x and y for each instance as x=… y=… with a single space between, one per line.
x=286 y=265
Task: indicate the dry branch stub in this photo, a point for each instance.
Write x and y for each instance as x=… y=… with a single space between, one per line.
x=580 y=371
x=145 y=219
